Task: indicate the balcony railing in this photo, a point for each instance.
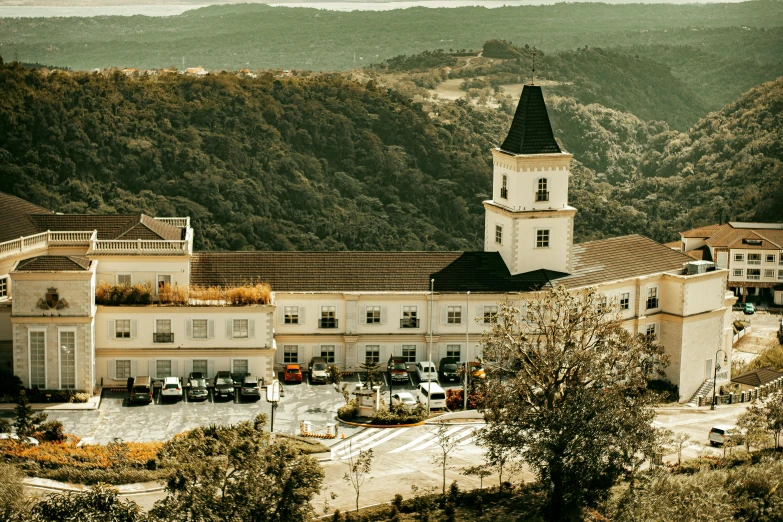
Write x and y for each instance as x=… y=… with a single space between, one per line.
x=137 y=246
x=753 y=277
x=327 y=323
x=163 y=338
x=754 y=261
x=504 y=192
x=409 y=322
x=179 y=222
x=542 y=195
x=652 y=302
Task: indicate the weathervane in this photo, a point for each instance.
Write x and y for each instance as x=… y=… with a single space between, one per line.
x=533 y=77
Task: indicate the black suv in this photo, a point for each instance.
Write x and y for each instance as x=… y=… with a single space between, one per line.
x=224 y=385
x=448 y=370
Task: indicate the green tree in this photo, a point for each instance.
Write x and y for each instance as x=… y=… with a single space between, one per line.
x=26 y=422
x=100 y=503
x=372 y=373
x=446 y=444
x=359 y=466
x=575 y=394
x=754 y=428
x=773 y=413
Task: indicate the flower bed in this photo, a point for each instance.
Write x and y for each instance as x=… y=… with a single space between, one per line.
x=36 y=395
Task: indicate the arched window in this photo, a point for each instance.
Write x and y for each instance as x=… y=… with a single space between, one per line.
x=542 y=193
x=504 y=187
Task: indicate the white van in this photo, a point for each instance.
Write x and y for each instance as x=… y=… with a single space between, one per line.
x=436 y=394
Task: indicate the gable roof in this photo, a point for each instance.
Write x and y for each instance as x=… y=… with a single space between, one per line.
x=733 y=235
x=53 y=264
x=531 y=131
x=14 y=221
x=704 y=232
x=757 y=377
x=109 y=226
x=477 y=272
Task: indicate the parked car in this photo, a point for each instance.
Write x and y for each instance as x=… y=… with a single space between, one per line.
x=171 y=389
x=426 y=371
x=448 y=370
x=398 y=369
x=292 y=373
x=317 y=369
x=224 y=385
x=750 y=309
x=436 y=394
x=250 y=388
x=140 y=389
x=724 y=433
x=404 y=398
x=198 y=390
x=196 y=375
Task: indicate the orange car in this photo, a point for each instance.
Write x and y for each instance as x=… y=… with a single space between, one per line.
x=293 y=373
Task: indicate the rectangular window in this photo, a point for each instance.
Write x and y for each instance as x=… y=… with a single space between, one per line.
x=625 y=301
x=290 y=354
x=240 y=366
x=542 y=193
x=754 y=274
x=373 y=315
x=454 y=315
x=453 y=350
x=542 y=238
x=328 y=317
x=37 y=359
x=603 y=303
x=124 y=279
x=410 y=317
x=652 y=297
x=499 y=234
x=490 y=314
x=504 y=187
x=739 y=257
x=739 y=272
x=163 y=332
x=372 y=353
x=122 y=369
x=201 y=365
x=409 y=353
x=754 y=259
x=162 y=369
x=770 y=258
x=769 y=273
x=327 y=351
x=122 y=328
x=3 y=287
x=651 y=332
x=240 y=329
x=163 y=281
x=291 y=314
x=68 y=360
x=200 y=328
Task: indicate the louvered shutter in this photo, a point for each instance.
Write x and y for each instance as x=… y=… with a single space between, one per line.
x=301 y=315
x=444 y=315
x=210 y=367
x=362 y=315
x=383 y=314
x=134 y=368
x=229 y=329
x=174 y=365
x=188 y=329
x=111 y=332
x=134 y=329
x=251 y=329
x=188 y=367
x=152 y=369
x=480 y=312
x=281 y=315
x=112 y=369
x=211 y=329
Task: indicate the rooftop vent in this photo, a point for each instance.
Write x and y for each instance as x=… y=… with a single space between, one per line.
x=699 y=267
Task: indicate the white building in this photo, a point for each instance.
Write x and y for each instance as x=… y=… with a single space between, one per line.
x=348 y=306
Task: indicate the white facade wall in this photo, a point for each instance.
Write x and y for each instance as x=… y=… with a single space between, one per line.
x=145 y=269
x=769 y=266
x=523 y=174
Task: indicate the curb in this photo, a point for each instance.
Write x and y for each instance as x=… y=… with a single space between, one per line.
x=65 y=487
x=91 y=405
x=360 y=425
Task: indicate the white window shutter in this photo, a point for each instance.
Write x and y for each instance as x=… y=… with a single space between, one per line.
x=301 y=315
x=281 y=315
x=210 y=368
x=152 y=369
x=188 y=367
x=362 y=315
x=134 y=328
x=383 y=314
x=174 y=372
x=211 y=329
x=111 y=332
x=251 y=328
x=229 y=329
x=316 y=351
x=134 y=368
x=112 y=369
x=397 y=350
x=362 y=353
x=479 y=311
x=444 y=315
x=154 y=325
x=188 y=329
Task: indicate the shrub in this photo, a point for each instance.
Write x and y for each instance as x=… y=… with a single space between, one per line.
x=123 y=294
x=349 y=411
x=80 y=398
x=114 y=476
x=399 y=415
x=667 y=391
x=303 y=445
x=10 y=384
x=50 y=431
x=5 y=426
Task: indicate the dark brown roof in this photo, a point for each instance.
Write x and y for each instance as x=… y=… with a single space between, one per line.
x=757 y=377
x=707 y=231
x=14 y=222
x=109 y=226
x=728 y=236
x=622 y=257
x=53 y=264
x=596 y=262
x=531 y=131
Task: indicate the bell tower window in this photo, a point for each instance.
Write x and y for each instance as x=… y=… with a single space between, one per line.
x=499 y=234
x=542 y=238
x=504 y=188
x=542 y=193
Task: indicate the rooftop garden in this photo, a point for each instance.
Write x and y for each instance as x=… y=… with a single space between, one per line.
x=144 y=294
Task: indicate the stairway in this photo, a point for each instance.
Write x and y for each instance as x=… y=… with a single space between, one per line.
x=705 y=390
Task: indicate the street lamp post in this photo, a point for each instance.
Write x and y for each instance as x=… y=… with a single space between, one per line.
x=467 y=344
x=715 y=379
x=273 y=396
x=391 y=382
x=429 y=349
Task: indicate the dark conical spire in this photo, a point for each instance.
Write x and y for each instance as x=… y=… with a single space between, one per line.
x=531 y=132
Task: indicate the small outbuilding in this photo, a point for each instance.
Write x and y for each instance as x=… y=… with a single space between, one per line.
x=756 y=378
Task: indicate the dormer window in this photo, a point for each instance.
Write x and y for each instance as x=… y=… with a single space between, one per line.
x=504 y=187
x=542 y=193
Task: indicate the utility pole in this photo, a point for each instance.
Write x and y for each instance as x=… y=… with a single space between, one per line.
x=467 y=341
x=429 y=351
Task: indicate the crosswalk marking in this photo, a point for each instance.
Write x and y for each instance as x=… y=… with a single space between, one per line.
x=435 y=438
x=412 y=443
x=373 y=437
x=394 y=433
x=357 y=441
